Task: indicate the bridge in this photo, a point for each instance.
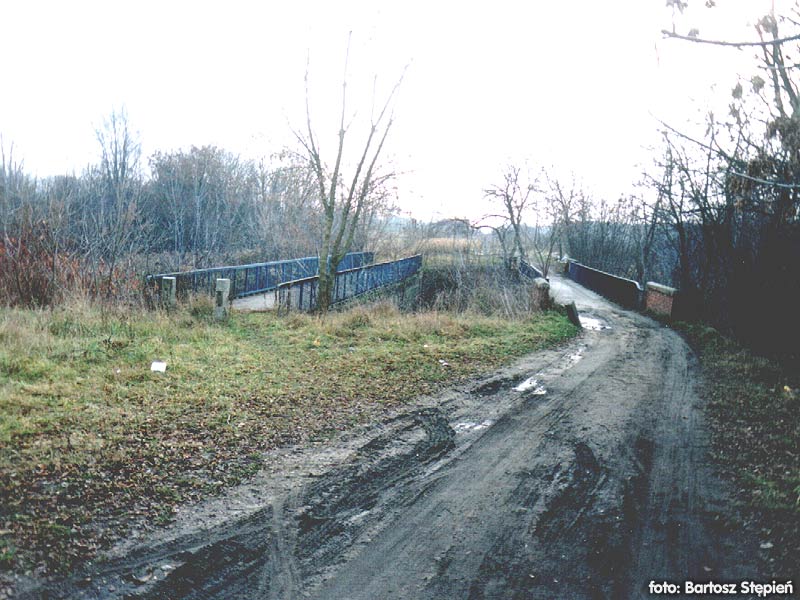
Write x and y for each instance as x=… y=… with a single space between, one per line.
x=288 y=284
x=301 y=294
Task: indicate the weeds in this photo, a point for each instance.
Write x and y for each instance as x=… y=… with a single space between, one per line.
x=89 y=434
x=753 y=403
x=485 y=289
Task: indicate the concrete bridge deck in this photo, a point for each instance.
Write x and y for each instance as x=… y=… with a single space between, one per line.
x=256 y=303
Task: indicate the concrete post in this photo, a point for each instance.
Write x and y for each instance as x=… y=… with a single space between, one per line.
x=169 y=291
x=222 y=302
x=542 y=292
x=572 y=314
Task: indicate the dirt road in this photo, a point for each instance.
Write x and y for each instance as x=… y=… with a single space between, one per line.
x=579 y=472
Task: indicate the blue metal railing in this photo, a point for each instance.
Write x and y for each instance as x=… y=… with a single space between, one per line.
x=301 y=294
x=254 y=278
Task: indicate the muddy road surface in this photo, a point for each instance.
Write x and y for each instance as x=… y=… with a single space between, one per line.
x=579 y=472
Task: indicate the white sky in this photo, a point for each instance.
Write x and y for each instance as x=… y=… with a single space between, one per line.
x=571 y=85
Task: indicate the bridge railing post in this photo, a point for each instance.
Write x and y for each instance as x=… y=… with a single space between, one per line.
x=222 y=304
x=169 y=292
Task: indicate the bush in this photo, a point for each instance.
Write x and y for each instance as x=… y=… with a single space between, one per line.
x=32 y=272
x=490 y=290
x=35 y=271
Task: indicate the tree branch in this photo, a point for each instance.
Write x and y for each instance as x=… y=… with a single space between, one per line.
x=670 y=34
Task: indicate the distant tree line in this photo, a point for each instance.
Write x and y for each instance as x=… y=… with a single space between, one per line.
x=102 y=229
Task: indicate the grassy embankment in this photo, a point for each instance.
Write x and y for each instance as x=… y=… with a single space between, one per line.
x=89 y=435
x=754 y=404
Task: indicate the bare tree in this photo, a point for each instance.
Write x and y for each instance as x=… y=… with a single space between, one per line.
x=503 y=232
x=17 y=219
x=514 y=195
x=569 y=209
x=344 y=200
x=207 y=198
x=644 y=220
x=15 y=188
x=553 y=214
x=287 y=216
x=731 y=198
x=116 y=231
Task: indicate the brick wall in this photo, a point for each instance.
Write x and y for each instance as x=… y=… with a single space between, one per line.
x=659 y=298
x=623 y=291
x=655 y=297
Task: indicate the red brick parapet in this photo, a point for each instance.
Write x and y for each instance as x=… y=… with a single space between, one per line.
x=659 y=298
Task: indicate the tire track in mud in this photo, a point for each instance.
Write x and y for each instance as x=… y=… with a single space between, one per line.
x=513 y=565
x=339 y=507
x=281 y=580
x=270 y=552
x=325 y=518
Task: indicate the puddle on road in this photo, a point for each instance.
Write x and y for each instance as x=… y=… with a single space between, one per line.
x=531 y=384
x=535 y=385
x=472 y=426
x=573 y=358
x=593 y=323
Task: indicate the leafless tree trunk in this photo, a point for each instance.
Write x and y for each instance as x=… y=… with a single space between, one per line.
x=116 y=217
x=514 y=194
x=344 y=201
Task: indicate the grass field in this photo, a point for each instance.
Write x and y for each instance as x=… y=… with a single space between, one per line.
x=89 y=435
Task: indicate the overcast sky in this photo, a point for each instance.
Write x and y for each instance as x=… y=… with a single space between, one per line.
x=575 y=86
